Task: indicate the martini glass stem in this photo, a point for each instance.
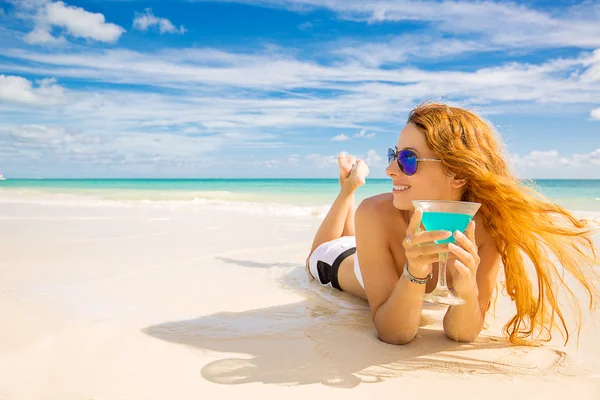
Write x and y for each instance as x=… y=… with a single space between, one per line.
x=441 y=283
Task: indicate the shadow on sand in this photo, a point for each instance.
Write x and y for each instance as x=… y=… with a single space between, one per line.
x=329 y=338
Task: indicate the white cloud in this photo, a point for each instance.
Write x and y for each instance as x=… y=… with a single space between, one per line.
x=41 y=35
x=406 y=48
x=588 y=158
x=75 y=21
x=322 y=161
x=305 y=26
x=57 y=144
x=217 y=92
x=372 y=158
x=363 y=134
x=15 y=89
x=500 y=23
x=207 y=66
x=538 y=158
x=48 y=135
x=269 y=164
x=595 y=114
x=371 y=92
x=191 y=130
x=552 y=159
x=221 y=92
x=143 y=21
x=340 y=137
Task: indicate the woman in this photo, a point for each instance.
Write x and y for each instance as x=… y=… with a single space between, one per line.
x=448 y=153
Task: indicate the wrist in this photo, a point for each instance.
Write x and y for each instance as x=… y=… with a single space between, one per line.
x=418 y=273
x=421 y=280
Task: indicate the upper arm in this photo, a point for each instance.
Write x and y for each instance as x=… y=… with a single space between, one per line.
x=374 y=257
x=487 y=273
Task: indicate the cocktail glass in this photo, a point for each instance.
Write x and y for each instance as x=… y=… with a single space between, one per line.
x=450 y=216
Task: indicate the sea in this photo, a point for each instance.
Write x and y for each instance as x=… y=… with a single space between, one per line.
x=291 y=197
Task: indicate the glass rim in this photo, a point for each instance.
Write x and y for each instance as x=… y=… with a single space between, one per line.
x=448 y=202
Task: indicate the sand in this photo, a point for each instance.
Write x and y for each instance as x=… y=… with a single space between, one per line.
x=146 y=302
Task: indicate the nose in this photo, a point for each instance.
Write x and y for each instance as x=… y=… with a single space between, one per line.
x=393 y=169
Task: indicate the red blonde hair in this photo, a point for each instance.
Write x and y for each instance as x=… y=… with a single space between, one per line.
x=518 y=218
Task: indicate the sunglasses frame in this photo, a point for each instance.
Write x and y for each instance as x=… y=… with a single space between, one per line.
x=396 y=152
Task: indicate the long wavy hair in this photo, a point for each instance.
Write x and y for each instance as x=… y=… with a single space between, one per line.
x=520 y=220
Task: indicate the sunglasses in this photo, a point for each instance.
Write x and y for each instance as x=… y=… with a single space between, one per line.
x=407 y=160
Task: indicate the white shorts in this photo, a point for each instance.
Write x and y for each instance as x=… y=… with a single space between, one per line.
x=331 y=254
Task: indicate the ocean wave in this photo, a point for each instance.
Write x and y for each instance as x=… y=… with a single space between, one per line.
x=221 y=200
x=209 y=201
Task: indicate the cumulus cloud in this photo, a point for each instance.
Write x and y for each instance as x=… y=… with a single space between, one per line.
x=587 y=158
x=539 y=158
x=322 y=161
x=552 y=158
x=40 y=35
x=15 y=89
x=147 y=19
x=372 y=158
x=59 y=144
x=363 y=134
x=595 y=114
x=340 y=138
x=71 y=20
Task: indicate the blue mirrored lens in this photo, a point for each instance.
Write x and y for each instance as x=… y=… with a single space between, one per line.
x=391 y=155
x=407 y=160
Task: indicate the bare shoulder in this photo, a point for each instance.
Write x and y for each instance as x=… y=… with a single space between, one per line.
x=378 y=205
x=379 y=210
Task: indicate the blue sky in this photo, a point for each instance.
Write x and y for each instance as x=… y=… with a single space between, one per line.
x=274 y=88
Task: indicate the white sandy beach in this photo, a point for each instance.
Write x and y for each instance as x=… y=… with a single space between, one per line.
x=115 y=302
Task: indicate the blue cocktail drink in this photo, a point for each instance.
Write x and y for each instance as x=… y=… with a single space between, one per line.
x=446 y=221
x=447 y=216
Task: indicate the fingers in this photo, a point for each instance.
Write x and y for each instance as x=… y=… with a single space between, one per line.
x=416 y=251
x=457 y=268
x=467 y=252
x=415 y=223
x=461 y=254
x=467 y=244
x=429 y=236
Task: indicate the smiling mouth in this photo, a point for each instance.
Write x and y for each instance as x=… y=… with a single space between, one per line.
x=399 y=189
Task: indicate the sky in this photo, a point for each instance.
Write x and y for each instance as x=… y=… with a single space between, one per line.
x=277 y=88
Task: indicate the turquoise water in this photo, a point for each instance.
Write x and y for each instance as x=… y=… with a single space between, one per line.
x=438 y=221
x=573 y=194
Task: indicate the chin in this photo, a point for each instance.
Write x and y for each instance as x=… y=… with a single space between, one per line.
x=403 y=204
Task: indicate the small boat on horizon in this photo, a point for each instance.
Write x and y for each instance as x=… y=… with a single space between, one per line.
x=1 y=177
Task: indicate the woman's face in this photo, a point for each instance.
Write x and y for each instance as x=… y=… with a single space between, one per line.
x=429 y=182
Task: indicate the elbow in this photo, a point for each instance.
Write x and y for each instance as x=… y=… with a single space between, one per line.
x=461 y=337
x=398 y=338
x=463 y=333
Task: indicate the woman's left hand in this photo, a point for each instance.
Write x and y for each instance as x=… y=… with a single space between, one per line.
x=464 y=268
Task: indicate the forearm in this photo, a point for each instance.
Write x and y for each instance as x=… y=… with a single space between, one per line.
x=397 y=320
x=463 y=323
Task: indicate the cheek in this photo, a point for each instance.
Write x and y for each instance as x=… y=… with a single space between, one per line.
x=431 y=187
